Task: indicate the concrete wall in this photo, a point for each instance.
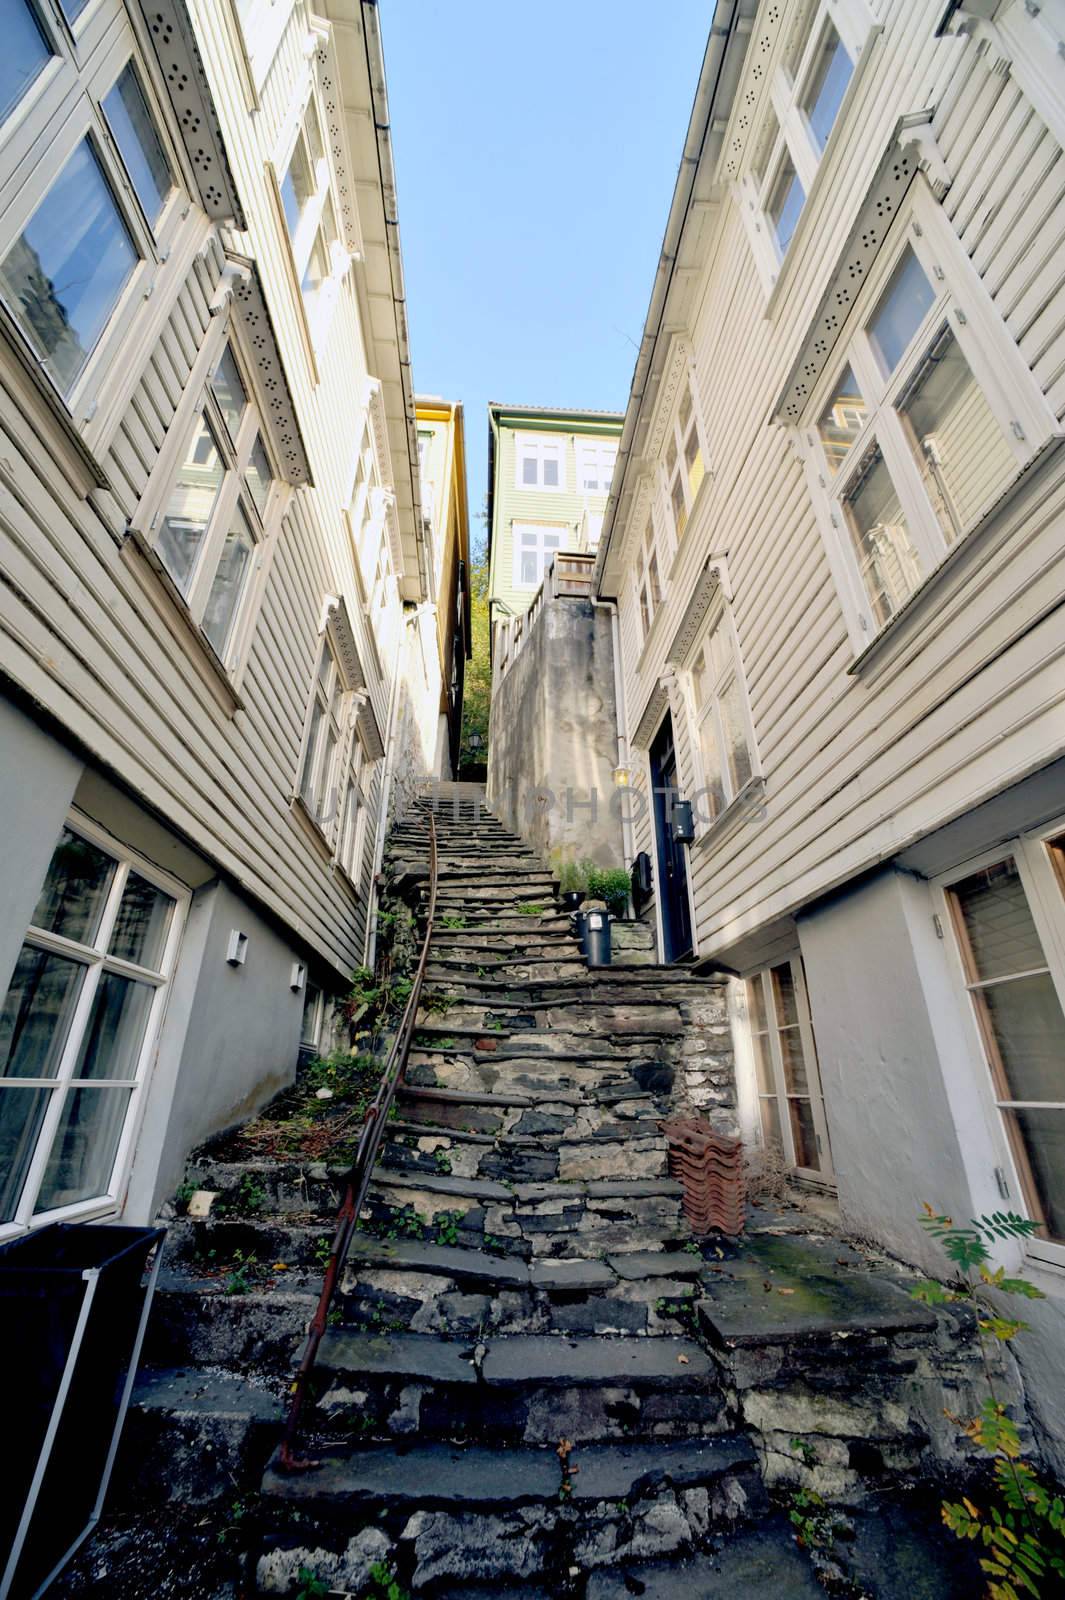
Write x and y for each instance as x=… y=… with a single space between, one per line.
x=37 y=779
x=552 y=745
x=904 y=1118
x=230 y=1041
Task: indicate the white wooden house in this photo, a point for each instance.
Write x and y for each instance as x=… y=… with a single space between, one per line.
x=836 y=537
x=210 y=546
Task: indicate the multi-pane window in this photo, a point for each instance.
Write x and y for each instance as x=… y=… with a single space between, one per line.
x=721 y=720
x=355 y=806
x=77 y=239
x=595 y=465
x=911 y=449
x=684 y=468
x=790 y=1105
x=534 y=547
x=209 y=530
x=77 y=1026
x=648 y=578
x=807 y=93
x=320 y=773
x=540 y=461
x=311 y=219
x=1018 y=1010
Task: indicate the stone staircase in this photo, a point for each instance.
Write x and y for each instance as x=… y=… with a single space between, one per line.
x=526 y=1379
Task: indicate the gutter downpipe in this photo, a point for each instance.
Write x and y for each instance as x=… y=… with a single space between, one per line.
x=627 y=839
x=370 y=953
x=375 y=62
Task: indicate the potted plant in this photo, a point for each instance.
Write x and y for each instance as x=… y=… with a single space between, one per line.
x=611 y=885
x=572 y=884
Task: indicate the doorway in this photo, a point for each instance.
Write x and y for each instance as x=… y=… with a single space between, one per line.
x=672 y=866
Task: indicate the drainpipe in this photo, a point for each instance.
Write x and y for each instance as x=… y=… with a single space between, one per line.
x=386 y=793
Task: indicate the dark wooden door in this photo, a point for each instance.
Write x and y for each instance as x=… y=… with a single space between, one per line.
x=672 y=865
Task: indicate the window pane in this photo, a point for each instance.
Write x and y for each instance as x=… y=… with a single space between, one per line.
x=739 y=756
x=842 y=420
x=227 y=587
x=228 y=389
x=786 y=202
x=785 y=1001
x=142 y=923
x=1026 y=1022
x=903 y=307
x=111 y=1045
x=713 y=769
x=323 y=792
x=550 y=472
x=1002 y=937
x=804 y=1134
x=962 y=451
x=528 y=470
x=795 y=1079
x=73 y=8
x=652 y=579
x=890 y=567
x=21 y=1114
x=314 y=133
x=763 y=1067
x=313 y=739
x=316 y=271
x=828 y=84
x=770 y=1121
x=25 y=53
x=260 y=477
x=680 y=510
x=64 y=274
x=72 y=900
x=130 y=121
x=693 y=460
x=37 y=1013
x=1043 y=1133
x=297 y=186
x=86 y=1143
x=191 y=503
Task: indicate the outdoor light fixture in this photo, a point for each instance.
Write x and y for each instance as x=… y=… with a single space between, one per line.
x=621 y=777
x=297 y=977
x=237 y=948
x=475 y=741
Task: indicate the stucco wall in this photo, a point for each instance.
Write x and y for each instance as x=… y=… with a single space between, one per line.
x=230 y=1040
x=552 y=745
x=38 y=776
x=903 y=1111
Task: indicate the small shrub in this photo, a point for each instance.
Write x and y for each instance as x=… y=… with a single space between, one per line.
x=611 y=885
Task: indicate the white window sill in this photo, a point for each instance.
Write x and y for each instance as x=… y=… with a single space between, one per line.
x=212 y=670
x=744 y=807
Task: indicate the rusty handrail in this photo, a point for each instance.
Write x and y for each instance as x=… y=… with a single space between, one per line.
x=357 y=1182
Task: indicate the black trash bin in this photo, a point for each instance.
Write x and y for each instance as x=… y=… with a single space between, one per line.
x=593 y=931
x=74 y=1301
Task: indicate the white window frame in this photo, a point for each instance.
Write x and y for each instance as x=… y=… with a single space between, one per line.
x=97 y=961
x=60 y=109
x=593 y=456
x=345 y=835
x=680 y=474
x=234 y=498
x=1045 y=894
x=780 y=1094
x=720 y=620
x=648 y=582
x=855 y=24
x=312 y=229
x=964 y=306
x=539 y=446
x=544 y=555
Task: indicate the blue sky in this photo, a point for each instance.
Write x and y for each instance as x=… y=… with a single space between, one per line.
x=536 y=150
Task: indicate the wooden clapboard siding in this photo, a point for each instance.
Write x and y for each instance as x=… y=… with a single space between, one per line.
x=859 y=764
x=93 y=636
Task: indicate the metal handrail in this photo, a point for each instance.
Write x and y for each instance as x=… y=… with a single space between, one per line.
x=357 y=1183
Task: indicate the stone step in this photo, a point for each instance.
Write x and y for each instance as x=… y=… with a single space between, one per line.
x=462 y=1515
x=631 y=1153
x=530 y=1389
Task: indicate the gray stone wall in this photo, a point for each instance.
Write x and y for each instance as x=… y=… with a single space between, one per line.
x=552 y=745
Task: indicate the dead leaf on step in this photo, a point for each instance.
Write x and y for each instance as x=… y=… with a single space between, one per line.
x=683 y=1361
x=785 y=1291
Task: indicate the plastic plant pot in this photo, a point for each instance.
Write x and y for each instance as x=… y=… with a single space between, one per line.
x=572 y=899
